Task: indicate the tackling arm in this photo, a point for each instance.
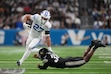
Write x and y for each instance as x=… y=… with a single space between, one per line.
x=45 y=63
x=43 y=67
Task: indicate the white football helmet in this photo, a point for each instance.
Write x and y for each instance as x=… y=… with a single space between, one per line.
x=45 y=14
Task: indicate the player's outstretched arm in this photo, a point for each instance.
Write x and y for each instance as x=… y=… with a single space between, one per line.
x=42 y=67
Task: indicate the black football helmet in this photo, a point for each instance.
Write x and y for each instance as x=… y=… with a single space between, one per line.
x=43 y=52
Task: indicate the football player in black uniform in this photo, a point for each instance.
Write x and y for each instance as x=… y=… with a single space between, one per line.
x=51 y=59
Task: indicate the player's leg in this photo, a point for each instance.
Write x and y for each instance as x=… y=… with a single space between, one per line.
x=91 y=52
x=29 y=49
x=24 y=57
x=86 y=52
x=89 y=55
x=72 y=62
x=27 y=52
x=90 y=46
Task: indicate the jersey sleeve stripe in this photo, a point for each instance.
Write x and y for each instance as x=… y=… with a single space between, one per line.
x=34 y=16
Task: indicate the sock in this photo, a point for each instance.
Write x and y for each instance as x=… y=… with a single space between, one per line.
x=91 y=45
x=95 y=48
x=25 y=56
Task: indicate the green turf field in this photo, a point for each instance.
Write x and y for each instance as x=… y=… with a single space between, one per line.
x=100 y=63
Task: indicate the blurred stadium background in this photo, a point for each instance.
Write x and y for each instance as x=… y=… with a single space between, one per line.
x=74 y=24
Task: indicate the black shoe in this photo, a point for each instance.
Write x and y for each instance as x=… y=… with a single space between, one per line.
x=93 y=43
x=98 y=44
x=18 y=63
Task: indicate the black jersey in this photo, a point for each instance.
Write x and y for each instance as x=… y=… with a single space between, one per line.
x=52 y=60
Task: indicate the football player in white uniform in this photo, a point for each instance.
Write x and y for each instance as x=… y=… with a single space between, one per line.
x=40 y=23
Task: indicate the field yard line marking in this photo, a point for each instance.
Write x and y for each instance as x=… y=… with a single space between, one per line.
x=67 y=72
x=105 y=57
x=12 y=51
x=27 y=63
x=103 y=54
x=69 y=68
x=107 y=62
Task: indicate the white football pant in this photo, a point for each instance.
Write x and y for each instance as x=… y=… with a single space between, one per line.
x=30 y=47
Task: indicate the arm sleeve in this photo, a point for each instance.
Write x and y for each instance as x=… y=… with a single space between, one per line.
x=46 y=62
x=47 y=32
x=43 y=67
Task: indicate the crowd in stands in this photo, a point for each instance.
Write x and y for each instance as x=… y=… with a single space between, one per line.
x=64 y=13
x=102 y=14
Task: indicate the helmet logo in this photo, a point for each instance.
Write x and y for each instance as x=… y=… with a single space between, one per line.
x=45 y=14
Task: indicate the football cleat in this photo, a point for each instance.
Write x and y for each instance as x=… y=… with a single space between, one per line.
x=18 y=63
x=93 y=43
x=98 y=44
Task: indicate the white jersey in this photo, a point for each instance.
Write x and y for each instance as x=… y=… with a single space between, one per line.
x=38 y=27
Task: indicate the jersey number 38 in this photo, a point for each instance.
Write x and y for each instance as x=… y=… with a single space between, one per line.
x=55 y=57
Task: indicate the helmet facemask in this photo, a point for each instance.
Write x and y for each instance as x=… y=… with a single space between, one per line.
x=42 y=52
x=43 y=20
x=45 y=16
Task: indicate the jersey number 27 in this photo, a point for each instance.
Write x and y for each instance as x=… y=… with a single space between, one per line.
x=38 y=28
